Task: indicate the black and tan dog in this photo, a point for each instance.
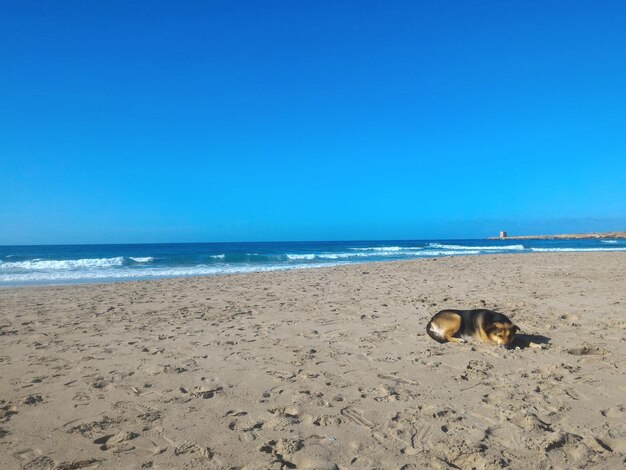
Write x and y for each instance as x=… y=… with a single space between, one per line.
x=484 y=325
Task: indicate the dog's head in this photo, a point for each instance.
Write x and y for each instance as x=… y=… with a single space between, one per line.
x=502 y=334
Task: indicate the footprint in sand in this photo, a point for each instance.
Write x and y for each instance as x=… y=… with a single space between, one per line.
x=94 y=427
x=32 y=399
x=383 y=393
x=117 y=442
x=317 y=453
x=327 y=420
x=477 y=371
x=192 y=448
x=282 y=375
x=356 y=416
x=530 y=422
x=397 y=379
x=77 y=464
x=283 y=450
x=614 y=412
x=282 y=418
x=81 y=397
x=204 y=392
x=613 y=441
x=43 y=462
x=587 y=350
x=570 y=444
x=7 y=410
x=247 y=425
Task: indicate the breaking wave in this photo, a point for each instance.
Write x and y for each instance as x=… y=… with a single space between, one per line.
x=53 y=264
x=481 y=248
x=130 y=274
x=300 y=257
x=380 y=248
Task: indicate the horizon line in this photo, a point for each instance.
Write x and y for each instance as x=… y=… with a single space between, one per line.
x=491 y=238
x=227 y=242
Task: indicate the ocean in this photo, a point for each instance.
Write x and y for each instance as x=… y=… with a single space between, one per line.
x=71 y=264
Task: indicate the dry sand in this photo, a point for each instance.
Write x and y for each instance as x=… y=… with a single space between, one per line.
x=321 y=368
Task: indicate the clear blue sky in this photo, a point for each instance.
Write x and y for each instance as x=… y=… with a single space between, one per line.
x=227 y=121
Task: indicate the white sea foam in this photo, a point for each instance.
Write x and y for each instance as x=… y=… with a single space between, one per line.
x=94 y=275
x=394 y=254
x=142 y=259
x=608 y=241
x=358 y=255
x=449 y=252
x=381 y=248
x=53 y=264
x=481 y=248
x=311 y=256
x=304 y=256
x=222 y=256
x=541 y=250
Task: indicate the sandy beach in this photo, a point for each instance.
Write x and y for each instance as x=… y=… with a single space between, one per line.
x=325 y=368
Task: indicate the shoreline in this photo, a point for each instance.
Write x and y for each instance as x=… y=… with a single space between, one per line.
x=115 y=280
x=112 y=263
x=318 y=368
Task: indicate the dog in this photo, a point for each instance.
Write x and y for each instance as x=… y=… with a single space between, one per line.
x=487 y=326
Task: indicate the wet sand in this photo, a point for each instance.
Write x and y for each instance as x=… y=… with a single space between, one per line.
x=325 y=368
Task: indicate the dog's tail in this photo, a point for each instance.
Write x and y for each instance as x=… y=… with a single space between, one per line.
x=433 y=334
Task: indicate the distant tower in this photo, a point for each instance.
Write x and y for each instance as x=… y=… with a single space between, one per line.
x=503 y=234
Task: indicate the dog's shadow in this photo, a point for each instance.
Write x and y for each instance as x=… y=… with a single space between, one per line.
x=524 y=341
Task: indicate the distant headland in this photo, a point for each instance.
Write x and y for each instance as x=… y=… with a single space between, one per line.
x=505 y=236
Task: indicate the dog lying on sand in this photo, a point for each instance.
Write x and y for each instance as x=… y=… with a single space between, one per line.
x=487 y=326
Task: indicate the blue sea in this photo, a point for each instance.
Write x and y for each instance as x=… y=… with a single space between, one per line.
x=71 y=264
